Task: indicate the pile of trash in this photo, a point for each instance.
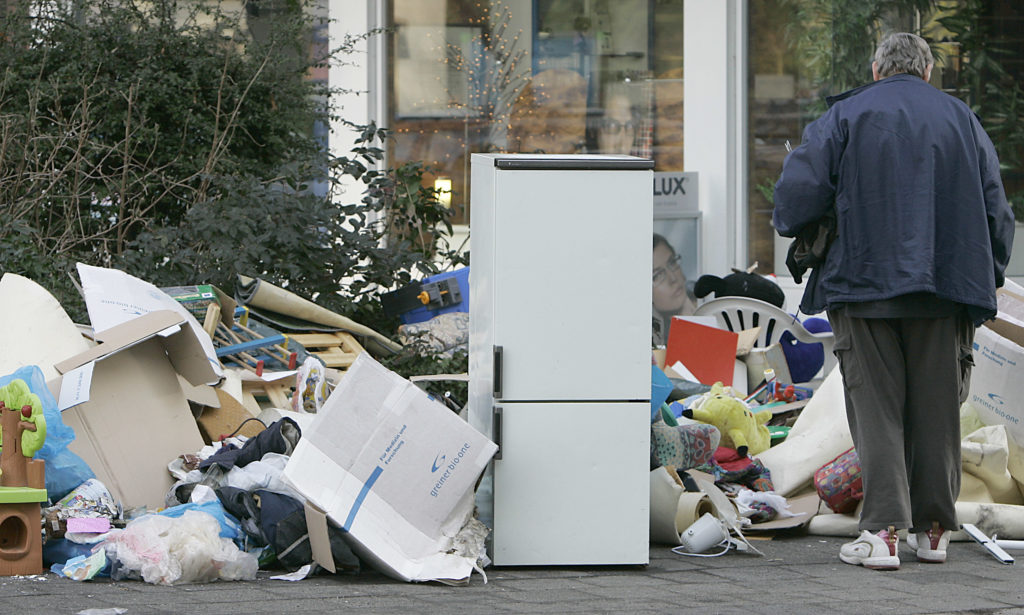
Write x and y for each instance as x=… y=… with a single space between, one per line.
x=190 y=436
x=781 y=456
x=189 y=440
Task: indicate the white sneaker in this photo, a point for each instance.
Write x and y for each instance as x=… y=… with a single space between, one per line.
x=875 y=551
x=931 y=545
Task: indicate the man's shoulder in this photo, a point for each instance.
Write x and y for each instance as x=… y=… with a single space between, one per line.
x=879 y=93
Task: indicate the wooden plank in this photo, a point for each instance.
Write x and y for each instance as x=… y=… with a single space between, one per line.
x=337 y=350
x=277 y=392
x=212 y=319
x=335 y=357
x=317 y=340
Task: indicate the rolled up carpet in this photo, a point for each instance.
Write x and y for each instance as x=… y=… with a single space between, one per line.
x=271 y=302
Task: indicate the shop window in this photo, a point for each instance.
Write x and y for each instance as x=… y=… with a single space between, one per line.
x=530 y=76
x=802 y=50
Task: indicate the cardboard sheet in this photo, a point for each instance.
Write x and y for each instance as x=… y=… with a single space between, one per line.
x=803 y=506
x=395 y=469
x=228 y=417
x=33 y=322
x=114 y=297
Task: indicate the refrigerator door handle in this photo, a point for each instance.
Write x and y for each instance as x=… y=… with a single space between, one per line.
x=498 y=351
x=496 y=429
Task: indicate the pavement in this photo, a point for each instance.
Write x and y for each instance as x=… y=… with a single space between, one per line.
x=798 y=574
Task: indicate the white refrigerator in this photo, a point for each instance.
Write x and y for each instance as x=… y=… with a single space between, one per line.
x=560 y=356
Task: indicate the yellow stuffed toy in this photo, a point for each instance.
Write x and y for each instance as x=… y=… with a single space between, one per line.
x=741 y=429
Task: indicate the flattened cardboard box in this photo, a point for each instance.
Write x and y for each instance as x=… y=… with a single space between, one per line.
x=137 y=418
x=393 y=468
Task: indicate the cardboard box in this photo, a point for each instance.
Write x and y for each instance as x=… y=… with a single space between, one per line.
x=228 y=417
x=129 y=413
x=1010 y=305
x=114 y=297
x=393 y=468
x=997 y=386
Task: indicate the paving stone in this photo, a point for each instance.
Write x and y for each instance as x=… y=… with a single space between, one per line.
x=798 y=575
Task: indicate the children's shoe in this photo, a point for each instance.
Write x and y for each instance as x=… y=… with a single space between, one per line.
x=931 y=545
x=874 y=551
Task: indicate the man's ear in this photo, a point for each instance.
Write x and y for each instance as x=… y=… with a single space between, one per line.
x=928 y=72
x=874 y=71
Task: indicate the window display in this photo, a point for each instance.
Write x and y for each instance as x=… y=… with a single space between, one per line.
x=551 y=76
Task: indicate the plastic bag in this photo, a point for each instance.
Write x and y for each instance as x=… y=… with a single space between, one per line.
x=170 y=551
x=310 y=386
x=64 y=469
x=230 y=528
x=89 y=499
x=84 y=567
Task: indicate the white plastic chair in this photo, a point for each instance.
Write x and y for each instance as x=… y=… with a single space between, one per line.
x=740 y=313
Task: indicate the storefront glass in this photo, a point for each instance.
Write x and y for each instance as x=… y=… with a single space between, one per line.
x=803 y=50
x=552 y=76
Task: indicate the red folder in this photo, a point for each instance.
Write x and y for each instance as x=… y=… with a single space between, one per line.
x=708 y=352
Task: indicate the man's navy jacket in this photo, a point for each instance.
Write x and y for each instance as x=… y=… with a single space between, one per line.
x=915 y=184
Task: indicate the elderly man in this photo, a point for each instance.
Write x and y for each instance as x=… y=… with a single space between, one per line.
x=922 y=237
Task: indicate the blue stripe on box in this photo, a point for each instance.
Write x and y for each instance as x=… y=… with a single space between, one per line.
x=377 y=471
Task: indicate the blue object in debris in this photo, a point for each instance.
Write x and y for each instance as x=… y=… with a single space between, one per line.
x=661 y=388
x=447 y=282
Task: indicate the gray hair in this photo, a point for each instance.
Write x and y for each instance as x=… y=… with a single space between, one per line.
x=903 y=52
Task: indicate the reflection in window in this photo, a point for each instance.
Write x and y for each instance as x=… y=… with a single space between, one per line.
x=802 y=50
x=551 y=76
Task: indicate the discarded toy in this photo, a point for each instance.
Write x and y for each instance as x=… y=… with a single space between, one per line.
x=22 y=479
x=741 y=429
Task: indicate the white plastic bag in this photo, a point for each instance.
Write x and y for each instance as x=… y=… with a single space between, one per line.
x=310 y=386
x=187 y=549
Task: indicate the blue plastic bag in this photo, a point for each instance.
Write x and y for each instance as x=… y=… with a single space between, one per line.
x=64 y=469
x=229 y=525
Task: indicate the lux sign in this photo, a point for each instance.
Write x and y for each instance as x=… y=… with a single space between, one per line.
x=669 y=185
x=675 y=193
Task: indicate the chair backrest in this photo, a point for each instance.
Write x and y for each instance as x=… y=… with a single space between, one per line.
x=740 y=313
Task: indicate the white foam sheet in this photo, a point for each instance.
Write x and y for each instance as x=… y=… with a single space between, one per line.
x=986 y=458
x=820 y=434
x=34 y=327
x=1002 y=520
x=989 y=495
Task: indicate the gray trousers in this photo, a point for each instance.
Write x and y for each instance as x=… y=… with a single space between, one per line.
x=904 y=380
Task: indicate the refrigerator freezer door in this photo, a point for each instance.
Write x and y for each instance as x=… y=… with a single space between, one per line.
x=572 y=485
x=571 y=283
